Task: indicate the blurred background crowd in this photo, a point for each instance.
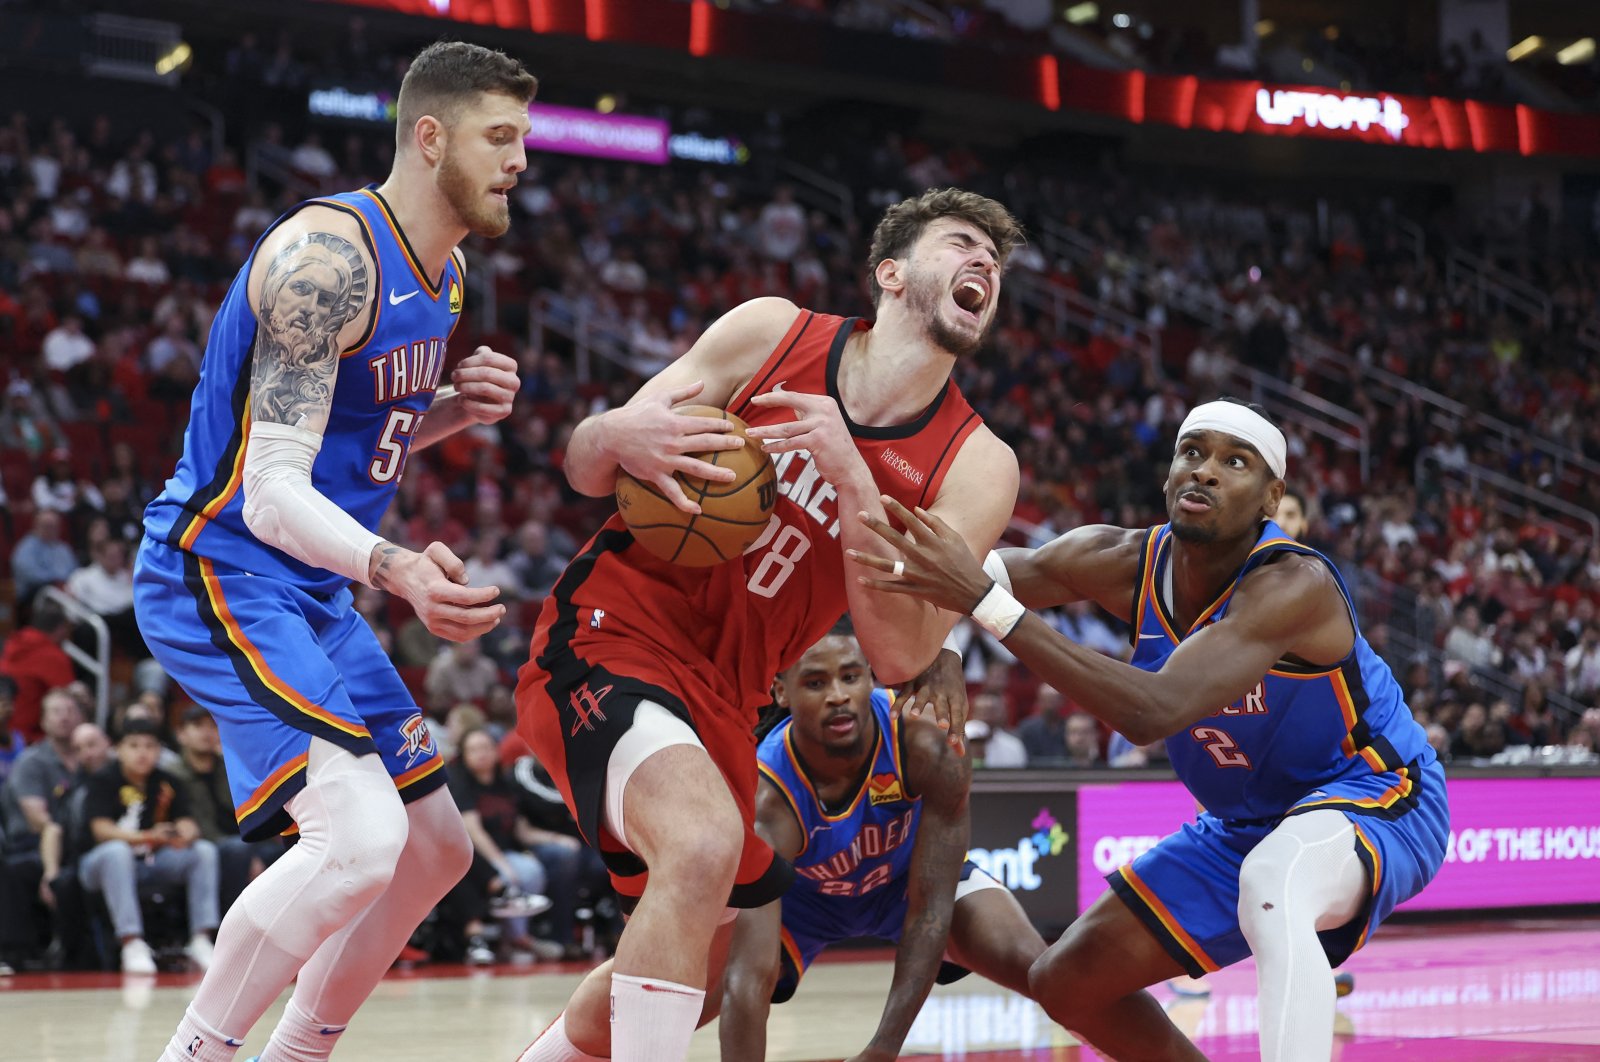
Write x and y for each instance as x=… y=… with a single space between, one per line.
x=1444 y=445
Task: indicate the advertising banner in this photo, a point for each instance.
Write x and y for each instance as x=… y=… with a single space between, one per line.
x=1026 y=841
x=571 y=131
x=1514 y=842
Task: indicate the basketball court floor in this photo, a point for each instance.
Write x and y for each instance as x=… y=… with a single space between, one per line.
x=1505 y=991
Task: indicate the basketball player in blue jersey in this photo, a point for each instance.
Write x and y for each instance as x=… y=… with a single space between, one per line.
x=322 y=373
x=872 y=812
x=1324 y=805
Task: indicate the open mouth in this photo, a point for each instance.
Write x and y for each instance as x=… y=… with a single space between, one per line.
x=971 y=295
x=840 y=725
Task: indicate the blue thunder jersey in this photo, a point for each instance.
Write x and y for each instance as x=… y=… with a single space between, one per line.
x=1301 y=729
x=384 y=386
x=847 y=855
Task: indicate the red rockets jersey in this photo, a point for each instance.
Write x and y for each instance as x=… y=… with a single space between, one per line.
x=717 y=636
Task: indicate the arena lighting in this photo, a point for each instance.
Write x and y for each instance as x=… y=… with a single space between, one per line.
x=181 y=53
x=1078 y=14
x=1121 y=21
x=606 y=103
x=1524 y=48
x=1577 y=52
x=1184 y=101
x=1264 y=27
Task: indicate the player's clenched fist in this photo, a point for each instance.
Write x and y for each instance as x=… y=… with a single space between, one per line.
x=487 y=383
x=435 y=583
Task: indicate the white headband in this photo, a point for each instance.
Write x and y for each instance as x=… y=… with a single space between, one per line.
x=1241 y=422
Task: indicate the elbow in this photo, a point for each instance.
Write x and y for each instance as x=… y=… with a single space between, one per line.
x=899 y=668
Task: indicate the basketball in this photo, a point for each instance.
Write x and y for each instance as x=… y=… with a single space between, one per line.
x=732 y=515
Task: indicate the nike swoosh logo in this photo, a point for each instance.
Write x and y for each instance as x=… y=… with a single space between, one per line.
x=342 y=1028
x=231 y=1042
x=396 y=300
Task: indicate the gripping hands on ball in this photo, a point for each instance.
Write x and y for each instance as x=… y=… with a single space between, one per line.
x=818 y=428
x=650 y=441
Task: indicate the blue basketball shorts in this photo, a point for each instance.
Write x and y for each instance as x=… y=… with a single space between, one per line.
x=277 y=666
x=813 y=922
x=1186 y=889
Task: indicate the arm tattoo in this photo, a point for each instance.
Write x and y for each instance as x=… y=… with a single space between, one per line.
x=313 y=288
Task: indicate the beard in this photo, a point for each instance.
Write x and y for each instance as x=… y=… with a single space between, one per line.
x=926 y=304
x=1195 y=536
x=470 y=201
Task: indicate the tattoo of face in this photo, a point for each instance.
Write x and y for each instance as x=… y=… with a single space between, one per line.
x=314 y=287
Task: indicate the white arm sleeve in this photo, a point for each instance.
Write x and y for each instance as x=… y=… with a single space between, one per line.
x=283 y=509
x=996 y=570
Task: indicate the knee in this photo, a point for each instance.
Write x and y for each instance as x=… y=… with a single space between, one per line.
x=709 y=848
x=703 y=840
x=363 y=854
x=113 y=854
x=1047 y=976
x=450 y=850
x=1261 y=889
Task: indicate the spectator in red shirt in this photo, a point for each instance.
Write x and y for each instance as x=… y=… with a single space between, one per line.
x=34 y=660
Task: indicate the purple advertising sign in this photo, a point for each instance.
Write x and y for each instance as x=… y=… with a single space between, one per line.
x=570 y=131
x=1514 y=842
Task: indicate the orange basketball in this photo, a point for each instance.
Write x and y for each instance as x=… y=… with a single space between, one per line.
x=732 y=515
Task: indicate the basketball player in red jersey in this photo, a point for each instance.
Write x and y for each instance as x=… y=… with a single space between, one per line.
x=645 y=679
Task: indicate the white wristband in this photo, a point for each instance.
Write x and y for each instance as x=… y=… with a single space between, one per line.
x=994 y=566
x=998 y=612
x=951 y=644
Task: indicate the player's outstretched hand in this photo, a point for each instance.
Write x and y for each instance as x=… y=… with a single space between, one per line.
x=941 y=690
x=939 y=568
x=435 y=583
x=818 y=427
x=486 y=380
x=651 y=440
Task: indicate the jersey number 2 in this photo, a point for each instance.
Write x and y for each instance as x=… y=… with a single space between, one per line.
x=393 y=444
x=1221 y=747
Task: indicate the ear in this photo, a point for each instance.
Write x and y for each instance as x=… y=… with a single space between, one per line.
x=1275 y=490
x=890 y=275
x=430 y=137
x=780 y=696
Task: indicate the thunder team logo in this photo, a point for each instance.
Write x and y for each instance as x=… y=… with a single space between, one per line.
x=418 y=739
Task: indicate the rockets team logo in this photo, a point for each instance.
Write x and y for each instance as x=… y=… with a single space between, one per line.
x=418 y=739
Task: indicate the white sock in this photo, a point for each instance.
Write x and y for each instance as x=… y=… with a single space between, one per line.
x=301 y=1038
x=652 y=1020
x=195 y=1041
x=1303 y=877
x=553 y=1046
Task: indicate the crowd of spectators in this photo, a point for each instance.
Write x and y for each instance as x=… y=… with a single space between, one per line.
x=114 y=250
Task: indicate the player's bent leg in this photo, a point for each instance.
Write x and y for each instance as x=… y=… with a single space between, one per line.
x=1304 y=876
x=991 y=936
x=1092 y=981
x=681 y=820
x=352 y=831
x=349 y=964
